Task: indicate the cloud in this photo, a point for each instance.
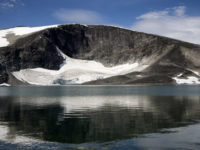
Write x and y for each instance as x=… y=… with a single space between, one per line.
x=171 y=22
x=179 y=11
x=8 y=4
x=78 y=16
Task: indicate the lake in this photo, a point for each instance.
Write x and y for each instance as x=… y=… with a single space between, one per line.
x=100 y=118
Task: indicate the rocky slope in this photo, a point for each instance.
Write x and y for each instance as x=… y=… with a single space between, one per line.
x=94 y=54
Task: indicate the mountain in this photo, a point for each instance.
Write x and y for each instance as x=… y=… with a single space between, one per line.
x=94 y=54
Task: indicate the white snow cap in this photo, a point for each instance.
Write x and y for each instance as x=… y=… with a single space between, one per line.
x=19 y=31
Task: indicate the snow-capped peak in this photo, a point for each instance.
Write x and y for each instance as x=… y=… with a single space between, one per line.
x=19 y=31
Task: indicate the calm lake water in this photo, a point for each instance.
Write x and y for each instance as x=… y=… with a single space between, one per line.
x=100 y=118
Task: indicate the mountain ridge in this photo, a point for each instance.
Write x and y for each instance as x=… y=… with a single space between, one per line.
x=162 y=59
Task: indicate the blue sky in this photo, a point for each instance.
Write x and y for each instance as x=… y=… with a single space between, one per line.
x=152 y=16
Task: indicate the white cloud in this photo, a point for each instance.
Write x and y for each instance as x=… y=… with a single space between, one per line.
x=179 y=11
x=78 y=16
x=153 y=15
x=171 y=22
x=7 y=5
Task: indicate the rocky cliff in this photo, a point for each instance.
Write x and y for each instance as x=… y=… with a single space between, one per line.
x=96 y=54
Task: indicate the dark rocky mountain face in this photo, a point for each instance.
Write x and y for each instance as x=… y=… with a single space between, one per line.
x=166 y=58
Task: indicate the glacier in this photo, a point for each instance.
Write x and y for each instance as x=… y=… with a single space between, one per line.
x=74 y=71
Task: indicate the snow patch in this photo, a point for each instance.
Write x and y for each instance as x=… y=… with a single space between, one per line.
x=188 y=80
x=179 y=75
x=195 y=72
x=4 y=84
x=75 y=71
x=19 y=31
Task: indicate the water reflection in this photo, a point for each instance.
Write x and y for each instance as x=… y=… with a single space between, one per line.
x=85 y=119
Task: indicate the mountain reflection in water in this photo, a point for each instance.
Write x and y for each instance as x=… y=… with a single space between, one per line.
x=93 y=119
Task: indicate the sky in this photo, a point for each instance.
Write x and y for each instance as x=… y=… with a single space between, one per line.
x=179 y=19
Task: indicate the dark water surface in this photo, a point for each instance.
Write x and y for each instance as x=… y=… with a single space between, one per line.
x=100 y=117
